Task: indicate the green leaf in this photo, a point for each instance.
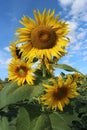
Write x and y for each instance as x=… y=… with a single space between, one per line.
x=4 y=125
x=12 y=93
x=43 y=123
x=12 y=124
x=23 y=120
x=65 y=67
x=58 y=122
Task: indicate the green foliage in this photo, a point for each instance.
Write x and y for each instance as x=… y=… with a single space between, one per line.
x=19 y=109
x=12 y=93
x=23 y=120
x=43 y=123
x=4 y=125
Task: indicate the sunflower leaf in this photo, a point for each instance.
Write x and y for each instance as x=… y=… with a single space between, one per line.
x=12 y=93
x=4 y=125
x=58 y=122
x=66 y=67
x=43 y=122
x=23 y=120
x=62 y=121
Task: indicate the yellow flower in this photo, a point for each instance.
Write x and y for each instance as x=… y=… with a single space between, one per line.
x=21 y=72
x=47 y=64
x=57 y=96
x=15 y=51
x=44 y=36
x=77 y=76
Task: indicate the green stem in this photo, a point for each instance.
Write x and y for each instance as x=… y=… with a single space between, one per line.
x=44 y=70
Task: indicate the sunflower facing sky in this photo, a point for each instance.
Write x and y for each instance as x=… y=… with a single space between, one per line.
x=21 y=72
x=44 y=36
x=57 y=96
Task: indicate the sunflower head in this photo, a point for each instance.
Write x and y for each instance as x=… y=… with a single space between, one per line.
x=44 y=36
x=21 y=72
x=58 y=95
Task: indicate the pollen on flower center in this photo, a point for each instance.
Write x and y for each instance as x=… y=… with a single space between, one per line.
x=22 y=71
x=43 y=37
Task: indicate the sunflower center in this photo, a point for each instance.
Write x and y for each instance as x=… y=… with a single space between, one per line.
x=43 y=37
x=22 y=71
x=60 y=93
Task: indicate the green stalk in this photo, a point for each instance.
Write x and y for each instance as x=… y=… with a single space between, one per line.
x=44 y=70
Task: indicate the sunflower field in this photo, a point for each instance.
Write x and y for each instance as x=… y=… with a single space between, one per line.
x=32 y=97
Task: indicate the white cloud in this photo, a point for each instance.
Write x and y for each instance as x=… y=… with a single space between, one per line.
x=73 y=25
x=8 y=61
x=5 y=62
x=77 y=20
x=83 y=16
x=67 y=61
x=65 y=2
x=81 y=35
x=77 y=46
x=78 y=7
x=4 y=58
x=7 y=49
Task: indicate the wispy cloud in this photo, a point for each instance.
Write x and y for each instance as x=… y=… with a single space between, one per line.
x=5 y=57
x=76 y=18
x=78 y=7
x=65 y=2
x=7 y=48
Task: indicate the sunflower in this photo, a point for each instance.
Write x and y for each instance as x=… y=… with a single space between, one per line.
x=21 y=72
x=77 y=76
x=15 y=51
x=44 y=36
x=47 y=64
x=58 y=94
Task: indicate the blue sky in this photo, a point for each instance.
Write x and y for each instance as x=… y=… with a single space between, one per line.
x=72 y=11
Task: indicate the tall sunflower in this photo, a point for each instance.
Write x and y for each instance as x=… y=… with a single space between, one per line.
x=45 y=35
x=21 y=72
x=57 y=96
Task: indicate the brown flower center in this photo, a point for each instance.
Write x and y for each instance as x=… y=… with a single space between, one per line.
x=43 y=37
x=60 y=93
x=21 y=71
